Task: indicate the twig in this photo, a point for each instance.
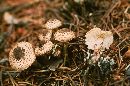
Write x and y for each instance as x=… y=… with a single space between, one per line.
x=12 y=80
x=80 y=67
x=115 y=31
x=111 y=84
x=111 y=9
x=121 y=42
x=23 y=37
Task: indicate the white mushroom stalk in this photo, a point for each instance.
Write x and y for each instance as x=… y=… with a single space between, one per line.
x=21 y=56
x=44 y=48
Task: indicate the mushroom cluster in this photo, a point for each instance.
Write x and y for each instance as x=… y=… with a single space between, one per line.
x=22 y=55
x=61 y=35
x=46 y=36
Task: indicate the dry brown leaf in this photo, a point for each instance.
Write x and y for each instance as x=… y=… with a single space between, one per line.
x=127 y=54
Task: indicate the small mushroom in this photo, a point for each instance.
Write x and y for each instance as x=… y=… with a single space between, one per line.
x=64 y=35
x=45 y=35
x=21 y=56
x=44 y=48
x=98 y=39
x=52 y=24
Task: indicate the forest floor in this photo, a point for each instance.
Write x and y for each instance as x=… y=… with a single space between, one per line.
x=79 y=16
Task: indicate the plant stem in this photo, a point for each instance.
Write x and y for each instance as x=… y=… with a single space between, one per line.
x=65 y=53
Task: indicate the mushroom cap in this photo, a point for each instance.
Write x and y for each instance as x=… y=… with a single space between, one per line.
x=52 y=24
x=21 y=56
x=45 y=35
x=98 y=39
x=44 y=48
x=64 y=35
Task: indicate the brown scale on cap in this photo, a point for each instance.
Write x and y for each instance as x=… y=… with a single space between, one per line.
x=64 y=35
x=18 y=53
x=21 y=56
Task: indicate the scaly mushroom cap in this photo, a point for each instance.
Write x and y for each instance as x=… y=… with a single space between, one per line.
x=53 y=23
x=98 y=39
x=21 y=56
x=44 y=49
x=64 y=35
x=45 y=35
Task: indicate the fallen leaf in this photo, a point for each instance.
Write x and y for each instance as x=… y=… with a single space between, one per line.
x=127 y=54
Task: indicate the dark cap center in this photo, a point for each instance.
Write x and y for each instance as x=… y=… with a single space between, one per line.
x=19 y=53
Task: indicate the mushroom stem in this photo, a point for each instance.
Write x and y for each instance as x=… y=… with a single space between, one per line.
x=65 y=53
x=36 y=64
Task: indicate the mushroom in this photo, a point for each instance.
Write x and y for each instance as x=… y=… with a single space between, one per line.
x=21 y=56
x=52 y=24
x=45 y=35
x=98 y=39
x=44 y=48
x=64 y=35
